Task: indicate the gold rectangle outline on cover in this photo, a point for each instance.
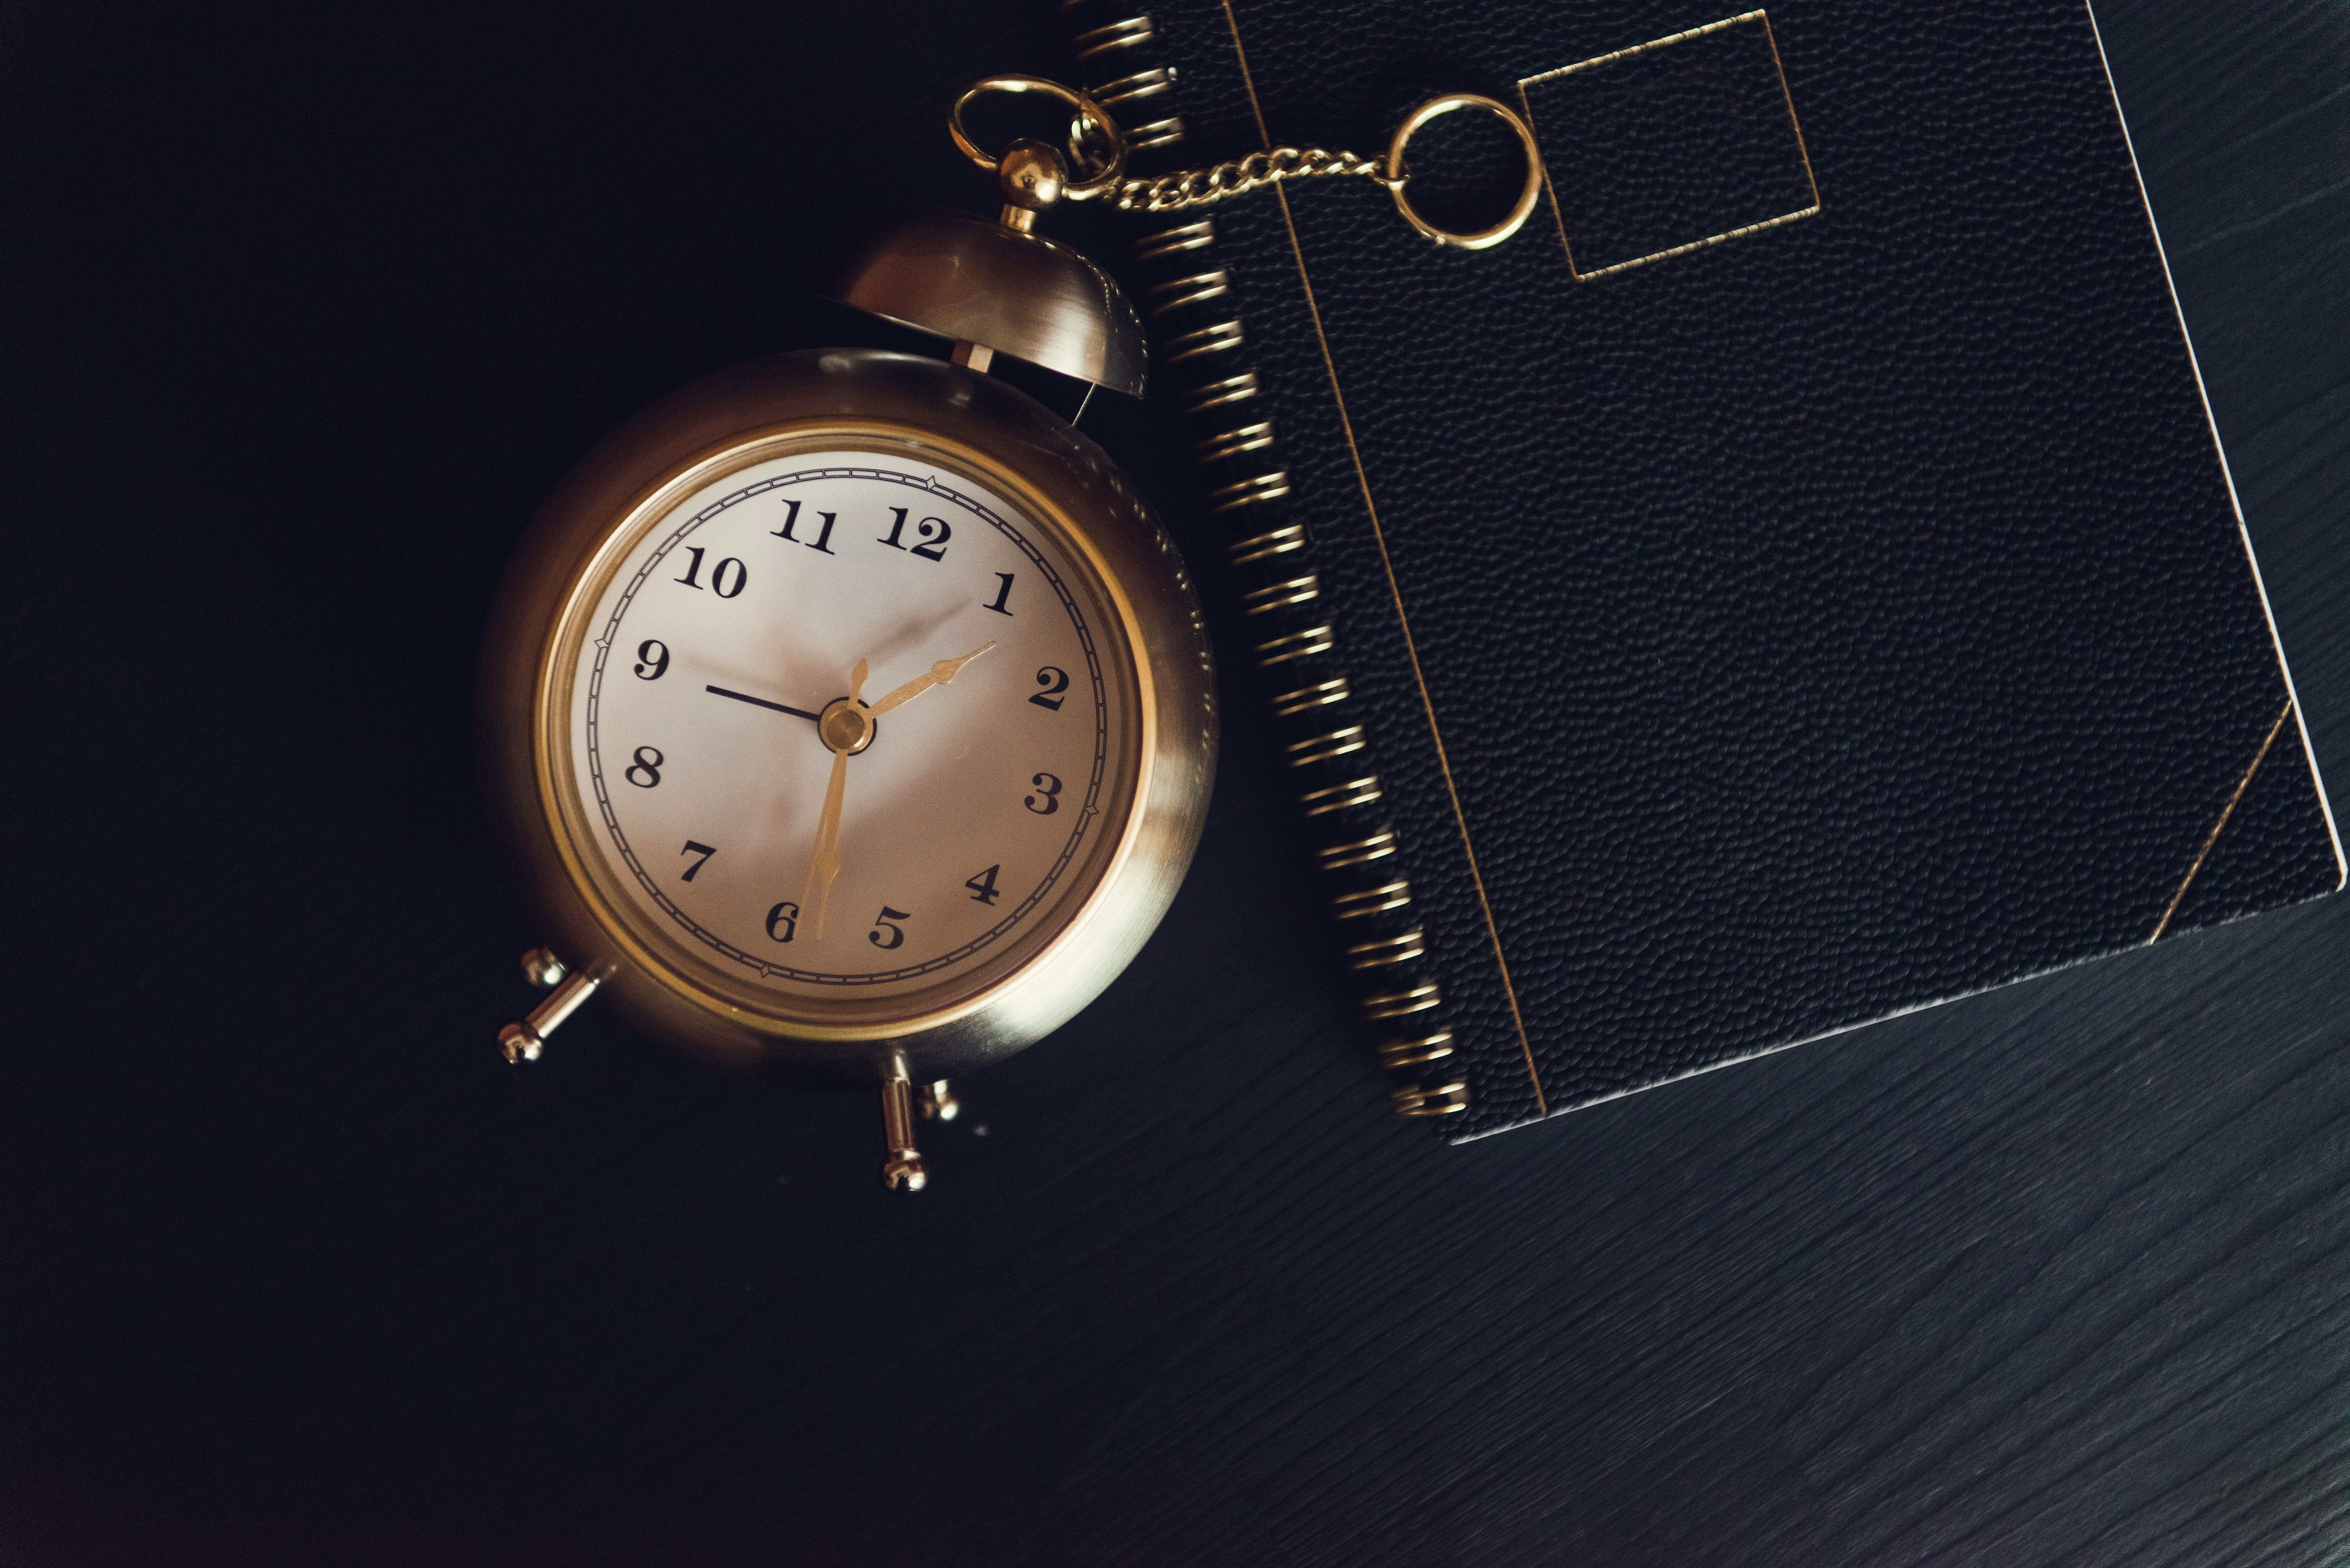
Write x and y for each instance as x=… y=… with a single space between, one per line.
x=1525 y=103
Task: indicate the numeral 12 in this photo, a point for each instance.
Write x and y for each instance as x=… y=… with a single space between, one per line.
x=932 y=530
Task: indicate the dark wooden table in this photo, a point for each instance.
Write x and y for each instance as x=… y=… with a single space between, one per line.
x=307 y=307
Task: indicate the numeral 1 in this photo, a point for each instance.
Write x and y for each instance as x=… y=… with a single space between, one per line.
x=1003 y=595
x=896 y=526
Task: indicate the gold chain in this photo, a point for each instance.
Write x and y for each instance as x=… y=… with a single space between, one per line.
x=1098 y=160
x=1205 y=187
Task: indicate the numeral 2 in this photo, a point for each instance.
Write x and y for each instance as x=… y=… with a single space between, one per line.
x=1055 y=681
x=823 y=541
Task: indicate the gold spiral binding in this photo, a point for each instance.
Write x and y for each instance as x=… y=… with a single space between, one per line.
x=1175 y=241
x=1417 y=1052
x=1354 y=906
x=1306 y=698
x=1296 y=591
x=1265 y=546
x=1232 y=442
x=1158 y=133
x=1196 y=289
x=1339 y=798
x=1326 y=748
x=1403 y=1003
x=1249 y=492
x=1117 y=35
x=1215 y=394
x=1297 y=645
x=1141 y=84
x=1416 y=1101
x=1387 y=951
x=1214 y=340
x=1361 y=852
x=1203 y=283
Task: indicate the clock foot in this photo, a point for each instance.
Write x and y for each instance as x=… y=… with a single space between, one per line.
x=939 y=1103
x=522 y=1042
x=903 y=1168
x=543 y=969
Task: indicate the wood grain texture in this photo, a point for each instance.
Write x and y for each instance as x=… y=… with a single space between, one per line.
x=292 y=1269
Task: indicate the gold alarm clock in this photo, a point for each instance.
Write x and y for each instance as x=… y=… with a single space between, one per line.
x=848 y=713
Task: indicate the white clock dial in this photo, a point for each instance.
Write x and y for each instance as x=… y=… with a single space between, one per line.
x=740 y=615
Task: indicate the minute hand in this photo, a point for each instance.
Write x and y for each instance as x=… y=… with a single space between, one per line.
x=944 y=670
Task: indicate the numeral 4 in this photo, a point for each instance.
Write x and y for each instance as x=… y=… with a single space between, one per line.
x=983 y=886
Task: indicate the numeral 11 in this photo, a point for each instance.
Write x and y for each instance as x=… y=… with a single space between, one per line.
x=823 y=541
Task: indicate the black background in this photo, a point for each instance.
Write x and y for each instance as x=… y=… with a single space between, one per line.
x=306 y=308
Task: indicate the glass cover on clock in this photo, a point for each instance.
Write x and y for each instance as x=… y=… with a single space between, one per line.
x=973 y=810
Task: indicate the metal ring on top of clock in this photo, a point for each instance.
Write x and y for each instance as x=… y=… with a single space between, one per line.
x=1089 y=120
x=1482 y=238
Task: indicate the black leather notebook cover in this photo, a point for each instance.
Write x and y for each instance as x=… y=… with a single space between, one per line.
x=1792 y=581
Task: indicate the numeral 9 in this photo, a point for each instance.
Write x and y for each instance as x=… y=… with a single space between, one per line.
x=652 y=655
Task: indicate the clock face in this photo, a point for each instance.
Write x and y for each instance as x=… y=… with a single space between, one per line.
x=819 y=837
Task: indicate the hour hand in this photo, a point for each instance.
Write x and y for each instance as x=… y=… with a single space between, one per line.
x=944 y=670
x=760 y=703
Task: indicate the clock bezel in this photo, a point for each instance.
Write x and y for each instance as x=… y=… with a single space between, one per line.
x=992 y=436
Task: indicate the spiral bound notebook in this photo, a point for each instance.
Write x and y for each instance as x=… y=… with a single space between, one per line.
x=1792 y=581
